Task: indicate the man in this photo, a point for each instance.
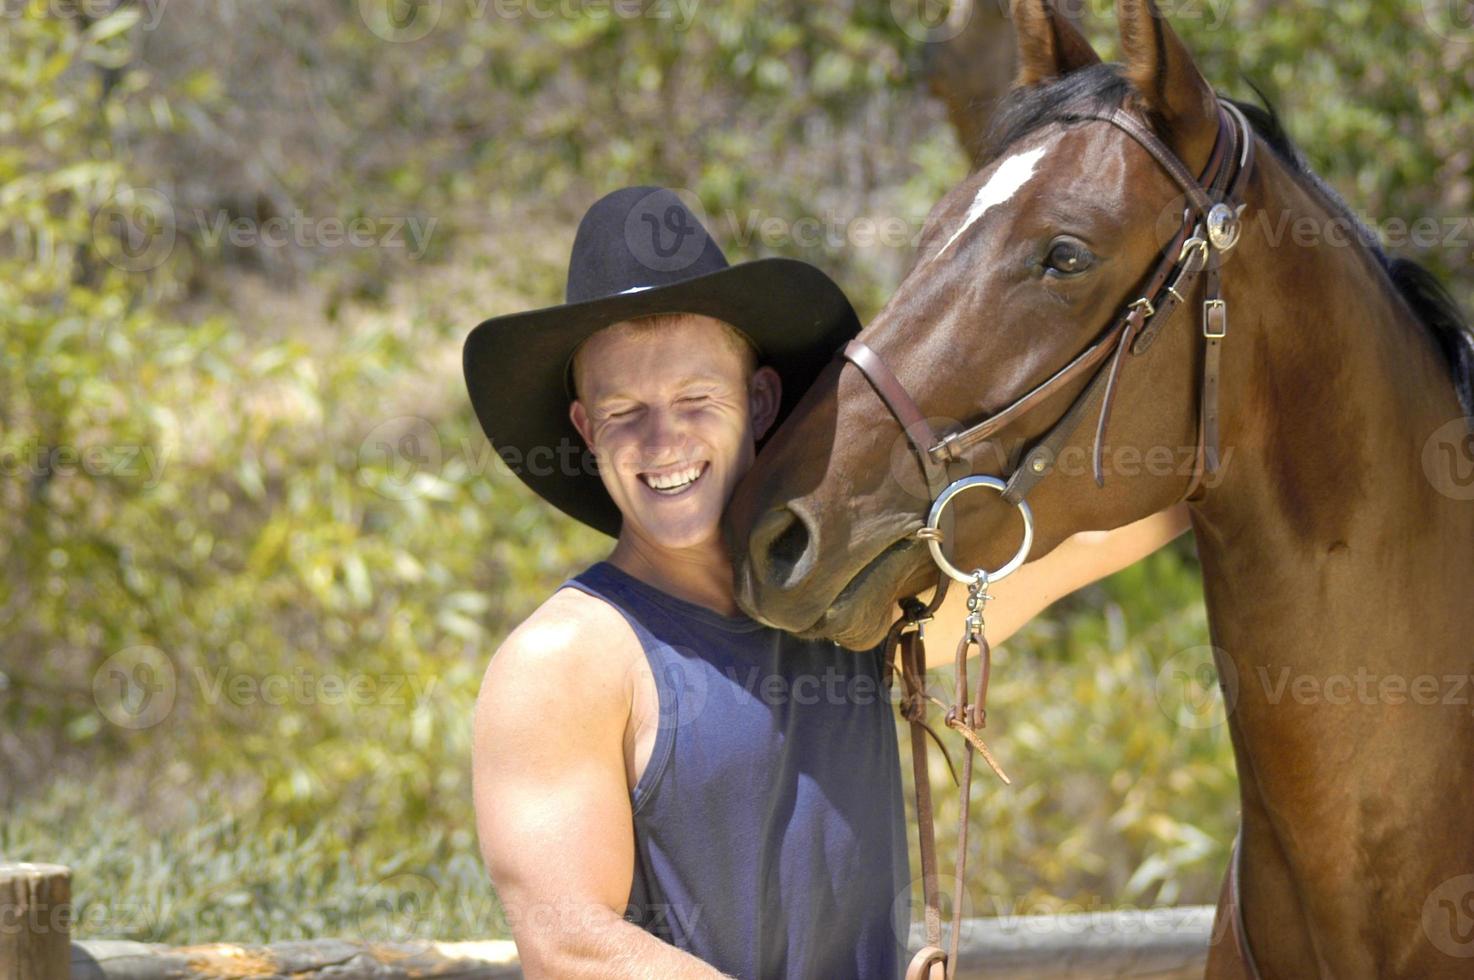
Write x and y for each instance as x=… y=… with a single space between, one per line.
x=665 y=787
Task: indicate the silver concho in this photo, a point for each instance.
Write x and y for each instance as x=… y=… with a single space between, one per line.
x=1223 y=227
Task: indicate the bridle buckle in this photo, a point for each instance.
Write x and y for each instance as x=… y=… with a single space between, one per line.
x=1189 y=246
x=1215 y=319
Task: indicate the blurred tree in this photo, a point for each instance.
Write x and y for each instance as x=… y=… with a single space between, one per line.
x=233 y=461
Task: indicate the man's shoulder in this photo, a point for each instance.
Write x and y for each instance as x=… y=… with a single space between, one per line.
x=573 y=640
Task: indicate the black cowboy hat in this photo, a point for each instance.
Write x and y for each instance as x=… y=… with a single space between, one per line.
x=638 y=251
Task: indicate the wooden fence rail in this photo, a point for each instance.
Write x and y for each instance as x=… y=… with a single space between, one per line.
x=1160 y=944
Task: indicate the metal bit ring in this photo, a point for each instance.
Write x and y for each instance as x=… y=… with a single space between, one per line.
x=933 y=520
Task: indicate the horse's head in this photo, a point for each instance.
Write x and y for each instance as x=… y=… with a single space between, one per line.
x=1019 y=269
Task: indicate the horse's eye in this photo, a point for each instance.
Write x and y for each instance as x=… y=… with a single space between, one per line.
x=1067 y=257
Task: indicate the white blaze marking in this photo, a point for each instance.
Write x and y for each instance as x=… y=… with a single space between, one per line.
x=1011 y=174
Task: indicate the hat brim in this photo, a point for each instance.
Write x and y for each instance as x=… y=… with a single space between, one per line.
x=515 y=365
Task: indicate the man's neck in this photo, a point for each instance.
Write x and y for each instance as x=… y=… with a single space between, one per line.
x=701 y=574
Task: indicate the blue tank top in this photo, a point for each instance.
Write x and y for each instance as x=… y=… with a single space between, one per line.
x=770 y=835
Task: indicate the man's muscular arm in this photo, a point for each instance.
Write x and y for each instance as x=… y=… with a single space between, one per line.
x=1078 y=560
x=552 y=804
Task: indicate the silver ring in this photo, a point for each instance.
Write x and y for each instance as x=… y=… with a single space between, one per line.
x=940 y=504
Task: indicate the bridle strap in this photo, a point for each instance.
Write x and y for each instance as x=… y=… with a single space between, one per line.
x=921 y=435
x=1186 y=257
x=1170 y=281
x=913 y=420
x=1198 y=199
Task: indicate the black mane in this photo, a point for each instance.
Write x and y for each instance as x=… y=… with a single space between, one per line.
x=1026 y=110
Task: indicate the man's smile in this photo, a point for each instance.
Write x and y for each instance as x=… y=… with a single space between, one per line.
x=676 y=481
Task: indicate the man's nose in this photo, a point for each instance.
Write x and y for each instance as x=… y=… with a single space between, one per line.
x=665 y=439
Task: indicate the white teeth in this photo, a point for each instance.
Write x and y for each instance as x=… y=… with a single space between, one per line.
x=675 y=480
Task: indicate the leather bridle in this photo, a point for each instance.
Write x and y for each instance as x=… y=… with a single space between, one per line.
x=1210 y=227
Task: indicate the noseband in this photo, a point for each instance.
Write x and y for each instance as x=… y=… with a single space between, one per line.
x=1210 y=227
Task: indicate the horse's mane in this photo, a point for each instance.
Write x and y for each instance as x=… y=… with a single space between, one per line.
x=1025 y=110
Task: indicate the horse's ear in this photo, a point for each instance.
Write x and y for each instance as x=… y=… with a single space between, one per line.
x=1167 y=80
x=1049 y=46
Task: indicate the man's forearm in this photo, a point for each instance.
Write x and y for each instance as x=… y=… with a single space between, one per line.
x=603 y=945
x=1078 y=561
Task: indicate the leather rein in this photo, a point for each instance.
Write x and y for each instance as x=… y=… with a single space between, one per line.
x=1210 y=227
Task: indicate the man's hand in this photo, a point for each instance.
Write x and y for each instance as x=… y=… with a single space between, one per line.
x=1078 y=560
x=552 y=798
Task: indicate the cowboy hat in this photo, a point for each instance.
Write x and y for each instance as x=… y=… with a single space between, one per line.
x=638 y=251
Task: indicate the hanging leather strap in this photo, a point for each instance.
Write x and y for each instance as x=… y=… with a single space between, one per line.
x=968 y=717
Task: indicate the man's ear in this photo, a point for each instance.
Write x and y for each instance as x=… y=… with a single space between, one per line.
x=1167 y=81
x=764 y=396
x=1049 y=46
x=579 y=416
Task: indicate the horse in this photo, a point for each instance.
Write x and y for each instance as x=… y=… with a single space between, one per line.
x=1333 y=520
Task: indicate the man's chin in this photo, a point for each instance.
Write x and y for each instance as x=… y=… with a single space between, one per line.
x=690 y=532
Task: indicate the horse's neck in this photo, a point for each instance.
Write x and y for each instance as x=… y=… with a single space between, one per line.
x=1327 y=541
x=1335 y=573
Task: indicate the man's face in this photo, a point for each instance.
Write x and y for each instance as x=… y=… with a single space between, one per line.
x=673 y=421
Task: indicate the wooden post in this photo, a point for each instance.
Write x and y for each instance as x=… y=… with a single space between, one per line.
x=35 y=921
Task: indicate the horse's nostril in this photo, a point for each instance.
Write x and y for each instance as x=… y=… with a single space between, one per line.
x=780 y=545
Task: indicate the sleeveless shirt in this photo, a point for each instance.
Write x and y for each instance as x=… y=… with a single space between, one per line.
x=769 y=825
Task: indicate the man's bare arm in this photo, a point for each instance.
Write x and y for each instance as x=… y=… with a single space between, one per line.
x=1078 y=560
x=553 y=811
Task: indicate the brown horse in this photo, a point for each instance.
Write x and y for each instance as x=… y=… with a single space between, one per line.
x=1336 y=538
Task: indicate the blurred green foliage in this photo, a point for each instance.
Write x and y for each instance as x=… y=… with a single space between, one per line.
x=235 y=466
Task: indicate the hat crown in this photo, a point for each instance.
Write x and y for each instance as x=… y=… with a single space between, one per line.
x=637 y=238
